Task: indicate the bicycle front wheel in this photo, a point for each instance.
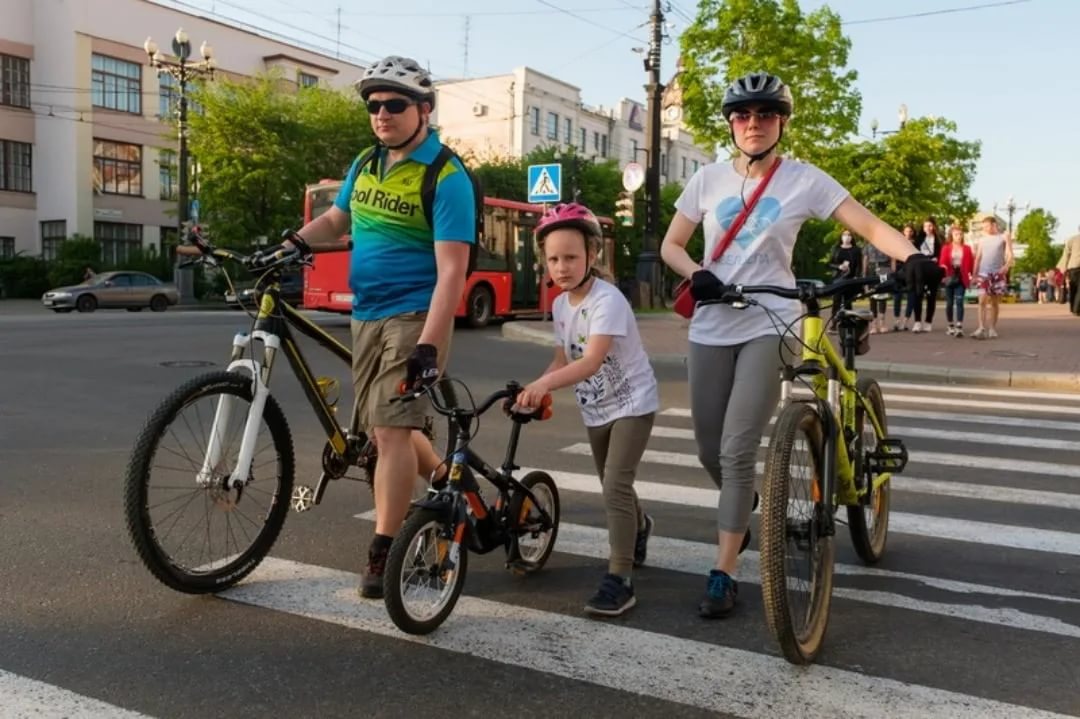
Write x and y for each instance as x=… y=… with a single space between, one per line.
x=422 y=580
x=796 y=556
x=193 y=532
x=869 y=523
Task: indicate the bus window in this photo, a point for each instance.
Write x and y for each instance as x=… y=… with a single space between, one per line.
x=322 y=199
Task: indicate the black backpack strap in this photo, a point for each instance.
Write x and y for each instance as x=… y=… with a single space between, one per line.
x=431 y=181
x=366 y=157
x=427 y=198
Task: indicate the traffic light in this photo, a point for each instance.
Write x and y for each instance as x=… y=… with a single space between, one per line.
x=624 y=208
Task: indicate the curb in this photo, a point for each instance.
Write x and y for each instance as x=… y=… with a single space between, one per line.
x=1017 y=379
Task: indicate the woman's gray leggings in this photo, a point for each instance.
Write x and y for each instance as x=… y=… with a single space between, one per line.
x=733 y=393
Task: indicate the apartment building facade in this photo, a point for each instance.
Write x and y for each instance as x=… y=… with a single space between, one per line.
x=513 y=114
x=85 y=142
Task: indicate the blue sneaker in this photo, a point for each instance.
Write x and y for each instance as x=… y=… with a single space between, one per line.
x=614 y=597
x=720 y=593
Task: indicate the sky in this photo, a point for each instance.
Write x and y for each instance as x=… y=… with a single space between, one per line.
x=984 y=68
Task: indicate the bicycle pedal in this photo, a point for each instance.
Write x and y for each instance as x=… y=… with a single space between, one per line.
x=303 y=497
x=518 y=567
x=890 y=455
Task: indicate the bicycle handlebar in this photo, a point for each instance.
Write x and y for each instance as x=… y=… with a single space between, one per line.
x=803 y=292
x=202 y=249
x=508 y=393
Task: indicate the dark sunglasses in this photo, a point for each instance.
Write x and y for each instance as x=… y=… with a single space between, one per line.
x=395 y=106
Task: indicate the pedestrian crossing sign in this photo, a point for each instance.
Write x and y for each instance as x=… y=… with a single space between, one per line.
x=545 y=183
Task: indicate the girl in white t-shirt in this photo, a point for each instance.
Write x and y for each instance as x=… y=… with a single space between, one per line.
x=735 y=355
x=599 y=352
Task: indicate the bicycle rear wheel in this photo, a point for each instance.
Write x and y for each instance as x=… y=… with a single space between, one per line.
x=796 y=557
x=194 y=533
x=869 y=523
x=422 y=582
x=531 y=545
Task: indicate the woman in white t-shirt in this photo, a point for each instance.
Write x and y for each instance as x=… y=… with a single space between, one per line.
x=735 y=355
x=599 y=352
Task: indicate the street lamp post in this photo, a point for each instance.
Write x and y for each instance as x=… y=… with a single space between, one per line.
x=182 y=70
x=902 y=116
x=1011 y=207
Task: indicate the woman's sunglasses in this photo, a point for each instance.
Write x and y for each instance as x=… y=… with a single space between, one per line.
x=396 y=106
x=742 y=117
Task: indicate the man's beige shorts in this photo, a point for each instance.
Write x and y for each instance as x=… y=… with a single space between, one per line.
x=380 y=350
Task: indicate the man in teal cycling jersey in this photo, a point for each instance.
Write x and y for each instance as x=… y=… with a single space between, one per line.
x=406 y=277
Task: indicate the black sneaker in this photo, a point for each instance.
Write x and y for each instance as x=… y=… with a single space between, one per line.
x=371 y=583
x=612 y=598
x=641 y=544
x=720 y=593
x=746 y=537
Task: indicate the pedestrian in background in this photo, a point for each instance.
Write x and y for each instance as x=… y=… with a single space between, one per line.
x=925 y=294
x=958 y=262
x=993 y=259
x=1070 y=265
x=876 y=262
x=903 y=293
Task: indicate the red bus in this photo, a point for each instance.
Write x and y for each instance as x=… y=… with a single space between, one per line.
x=508 y=278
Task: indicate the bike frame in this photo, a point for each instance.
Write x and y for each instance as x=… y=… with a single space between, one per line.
x=272 y=329
x=460 y=500
x=834 y=381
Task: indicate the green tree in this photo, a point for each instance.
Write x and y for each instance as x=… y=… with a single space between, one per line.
x=1035 y=232
x=259 y=144
x=808 y=51
x=503 y=177
x=921 y=170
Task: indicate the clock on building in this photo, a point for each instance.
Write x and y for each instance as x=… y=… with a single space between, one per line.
x=673 y=113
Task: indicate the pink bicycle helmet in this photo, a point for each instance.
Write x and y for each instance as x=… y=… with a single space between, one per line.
x=569 y=214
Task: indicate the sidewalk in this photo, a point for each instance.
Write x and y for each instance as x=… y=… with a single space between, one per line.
x=1039 y=347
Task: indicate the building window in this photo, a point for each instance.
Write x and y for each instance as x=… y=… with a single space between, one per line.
x=15 y=166
x=167 y=174
x=117 y=168
x=534 y=120
x=603 y=145
x=696 y=165
x=633 y=149
x=168 y=95
x=7 y=248
x=684 y=168
x=552 y=126
x=307 y=80
x=14 y=81
x=53 y=234
x=663 y=164
x=116 y=84
x=596 y=141
x=118 y=240
x=170 y=238
x=569 y=135
x=584 y=140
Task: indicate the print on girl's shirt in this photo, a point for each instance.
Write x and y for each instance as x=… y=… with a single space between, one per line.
x=610 y=377
x=765 y=213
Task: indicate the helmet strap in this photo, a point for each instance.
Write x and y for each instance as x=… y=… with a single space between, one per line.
x=419 y=127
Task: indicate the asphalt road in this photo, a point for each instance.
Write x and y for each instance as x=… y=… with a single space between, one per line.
x=975 y=611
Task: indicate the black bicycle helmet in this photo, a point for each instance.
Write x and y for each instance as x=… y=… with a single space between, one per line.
x=757 y=88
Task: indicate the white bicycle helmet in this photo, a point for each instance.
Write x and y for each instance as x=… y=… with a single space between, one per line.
x=398 y=74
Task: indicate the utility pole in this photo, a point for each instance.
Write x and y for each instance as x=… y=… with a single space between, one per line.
x=338 y=32
x=468 y=19
x=649 y=258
